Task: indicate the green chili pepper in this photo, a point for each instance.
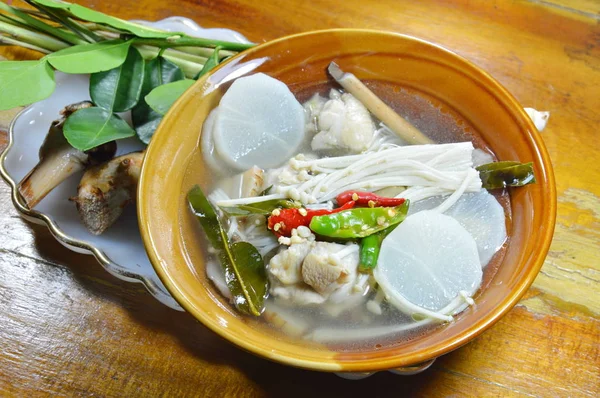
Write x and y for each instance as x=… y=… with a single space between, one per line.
x=359 y=222
x=369 y=249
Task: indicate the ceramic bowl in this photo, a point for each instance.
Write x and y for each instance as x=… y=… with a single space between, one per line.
x=392 y=61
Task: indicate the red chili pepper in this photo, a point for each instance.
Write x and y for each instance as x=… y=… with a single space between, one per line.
x=369 y=199
x=282 y=222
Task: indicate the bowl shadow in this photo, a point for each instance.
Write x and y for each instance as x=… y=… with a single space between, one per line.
x=271 y=378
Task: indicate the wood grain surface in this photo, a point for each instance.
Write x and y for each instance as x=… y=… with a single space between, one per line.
x=68 y=328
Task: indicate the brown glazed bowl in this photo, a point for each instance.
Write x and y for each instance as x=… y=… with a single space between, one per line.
x=173 y=165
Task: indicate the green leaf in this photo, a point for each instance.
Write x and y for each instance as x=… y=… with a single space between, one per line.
x=90 y=15
x=157 y=71
x=243 y=265
x=211 y=62
x=119 y=89
x=90 y=58
x=252 y=276
x=264 y=208
x=162 y=97
x=506 y=174
x=87 y=128
x=266 y=191
x=24 y=82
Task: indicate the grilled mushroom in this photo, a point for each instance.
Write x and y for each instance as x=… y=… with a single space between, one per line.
x=59 y=160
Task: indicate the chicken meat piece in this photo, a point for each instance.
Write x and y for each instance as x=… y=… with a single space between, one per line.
x=311 y=273
x=344 y=123
x=243 y=185
x=325 y=270
x=312 y=108
x=252 y=182
x=287 y=264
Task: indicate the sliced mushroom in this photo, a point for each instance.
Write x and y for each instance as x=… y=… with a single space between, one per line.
x=59 y=160
x=106 y=189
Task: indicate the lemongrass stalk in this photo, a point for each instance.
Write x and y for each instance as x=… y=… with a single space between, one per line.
x=153 y=52
x=93 y=26
x=83 y=29
x=13 y=21
x=42 y=26
x=189 y=68
x=380 y=109
x=35 y=13
x=109 y=35
x=186 y=41
x=206 y=52
x=11 y=42
x=32 y=37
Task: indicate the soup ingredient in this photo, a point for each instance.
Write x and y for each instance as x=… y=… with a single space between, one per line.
x=370 y=247
x=343 y=123
x=259 y=122
x=380 y=109
x=312 y=108
x=252 y=182
x=286 y=265
x=266 y=207
x=359 y=222
x=363 y=198
x=506 y=174
x=310 y=272
x=247 y=184
x=243 y=265
x=59 y=160
x=283 y=221
x=430 y=169
x=481 y=157
x=349 y=335
x=105 y=189
x=480 y=214
x=428 y=262
x=325 y=269
x=284 y=320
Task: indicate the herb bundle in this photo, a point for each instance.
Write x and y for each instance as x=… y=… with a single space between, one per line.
x=132 y=67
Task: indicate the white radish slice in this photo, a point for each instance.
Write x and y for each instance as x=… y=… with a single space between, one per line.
x=259 y=122
x=426 y=263
x=480 y=214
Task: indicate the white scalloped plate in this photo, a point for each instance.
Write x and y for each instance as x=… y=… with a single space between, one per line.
x=120 y=249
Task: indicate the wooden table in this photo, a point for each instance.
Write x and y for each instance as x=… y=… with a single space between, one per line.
x=67 y=327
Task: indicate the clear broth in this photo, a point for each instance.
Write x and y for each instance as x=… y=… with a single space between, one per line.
x=435 y=120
